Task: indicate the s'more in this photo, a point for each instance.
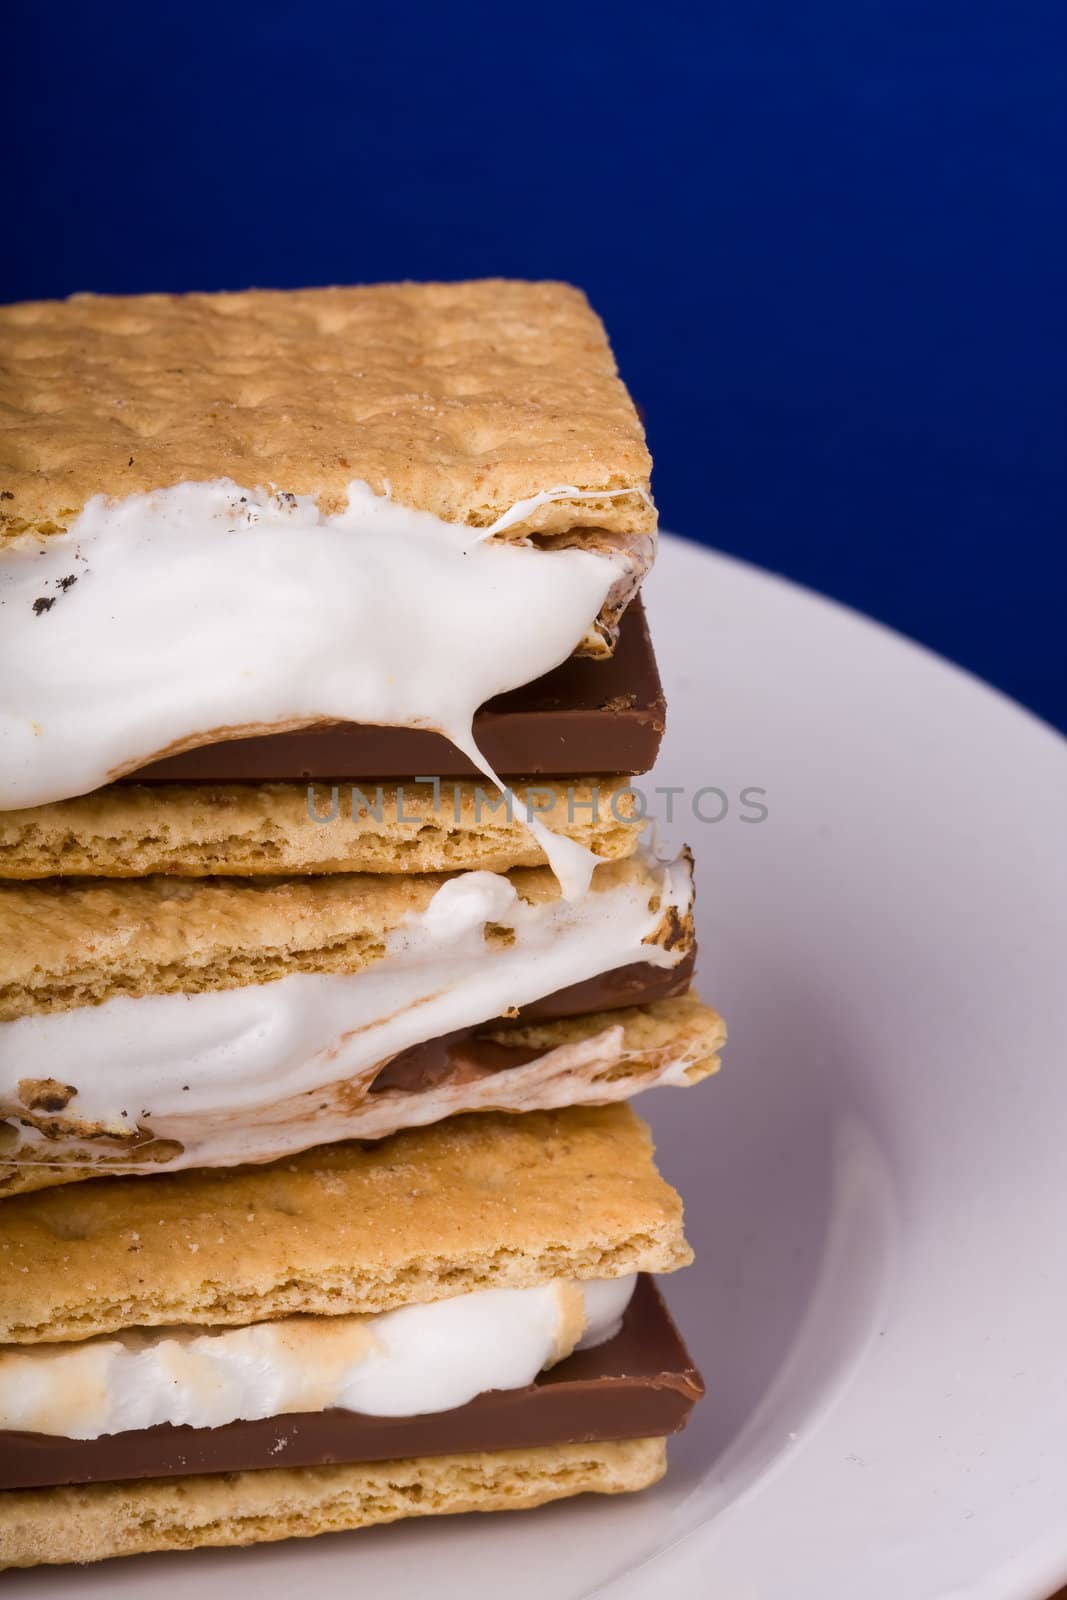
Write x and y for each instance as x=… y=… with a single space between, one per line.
x=451 y=1319
x=332 y=943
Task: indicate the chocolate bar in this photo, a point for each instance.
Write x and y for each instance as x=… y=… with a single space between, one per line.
x=586 y=716
x=641 y=1384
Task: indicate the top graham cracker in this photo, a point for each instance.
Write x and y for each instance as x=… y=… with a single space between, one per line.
x=460 y=399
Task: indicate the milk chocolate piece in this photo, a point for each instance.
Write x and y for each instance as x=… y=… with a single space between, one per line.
x=641 y=1384
x=636 y=984
x=586 y=716
x=465 y=1055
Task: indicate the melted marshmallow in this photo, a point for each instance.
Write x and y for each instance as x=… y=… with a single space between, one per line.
x=210 y=607
x=211 y=1070
x=403 y=1363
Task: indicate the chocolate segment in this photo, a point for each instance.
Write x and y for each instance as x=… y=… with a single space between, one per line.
x=465 y=1055
x=586 y=716
x=637 y=984
x=641 y=1384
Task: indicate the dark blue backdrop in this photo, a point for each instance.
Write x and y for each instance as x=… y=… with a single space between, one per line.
x=827 y=236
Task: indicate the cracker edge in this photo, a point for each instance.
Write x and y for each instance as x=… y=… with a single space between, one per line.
x=98 y=1521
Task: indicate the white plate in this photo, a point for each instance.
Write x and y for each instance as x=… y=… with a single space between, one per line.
x=877 y=1184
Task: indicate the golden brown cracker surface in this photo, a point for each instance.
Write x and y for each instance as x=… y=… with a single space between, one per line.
x=195 y=830
x=56 y=1526
x=472 y=1202
x=80 y=941
x=455 y=398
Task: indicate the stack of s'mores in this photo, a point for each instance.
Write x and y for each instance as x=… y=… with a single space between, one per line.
x=331 y=948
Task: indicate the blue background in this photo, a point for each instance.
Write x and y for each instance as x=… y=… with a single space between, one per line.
x=828 y=240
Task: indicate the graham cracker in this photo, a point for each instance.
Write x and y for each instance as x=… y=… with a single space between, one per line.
x=97 y=1521
x=76 y=942
x=252 y=829
x=456 y=398
x=472 y=1202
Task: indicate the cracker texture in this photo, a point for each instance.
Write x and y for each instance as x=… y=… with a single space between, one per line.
x=469 y=1203
x=254 y=829
x=455 y=398
x=92 y=1523
x=78 y=942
